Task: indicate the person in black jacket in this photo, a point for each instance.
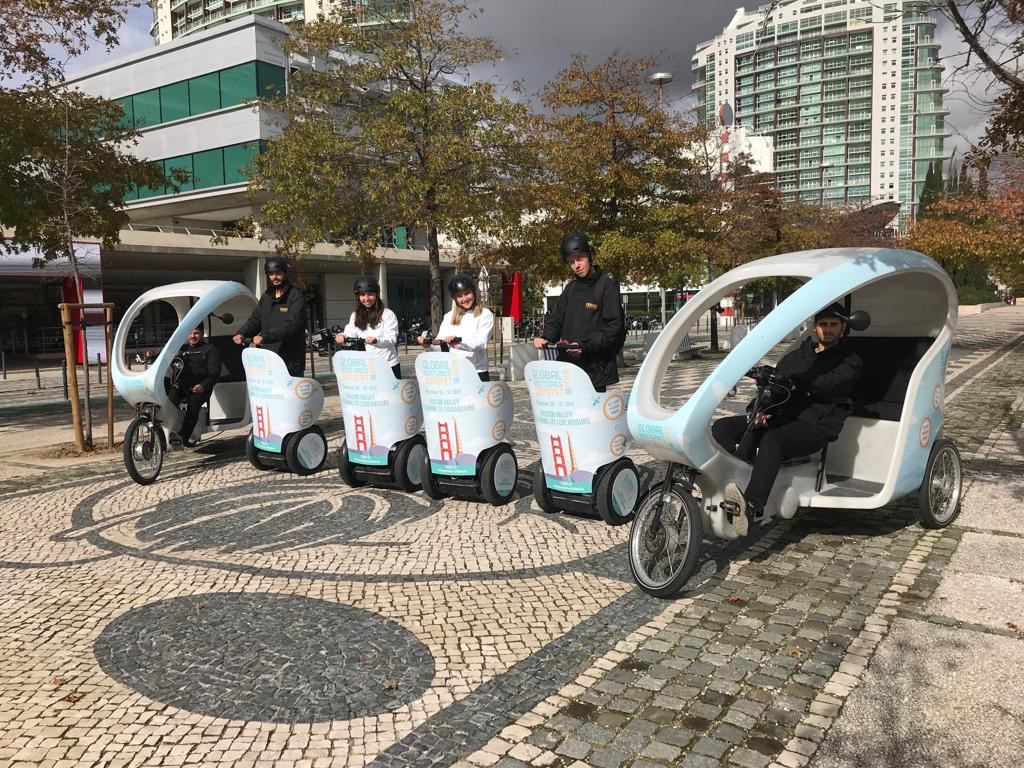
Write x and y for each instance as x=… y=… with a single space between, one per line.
x=589 y=312
x=279 y=320
x=201 y=372
x=824 y=371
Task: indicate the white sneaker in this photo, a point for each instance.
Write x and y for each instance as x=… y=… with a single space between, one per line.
x=740 y=521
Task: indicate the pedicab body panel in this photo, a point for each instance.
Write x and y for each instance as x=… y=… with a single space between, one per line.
x=880 y=455
x=462 y=416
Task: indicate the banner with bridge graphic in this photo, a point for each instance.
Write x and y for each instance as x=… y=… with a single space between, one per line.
x=379 y=410
x=281 y=404
x=462 y=415
x=578 y=430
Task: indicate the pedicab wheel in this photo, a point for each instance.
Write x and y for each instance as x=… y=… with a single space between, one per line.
x=499 y=474
x=665 y=541
x=348 y=475
x=143 y=450
x=427 y=480
x=617 y=492
x=252 y=453
x=306 y=452
x=541 y=493
x=938 y=499
x=408 y=467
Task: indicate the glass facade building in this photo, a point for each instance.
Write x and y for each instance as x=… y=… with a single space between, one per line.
x=849 y=90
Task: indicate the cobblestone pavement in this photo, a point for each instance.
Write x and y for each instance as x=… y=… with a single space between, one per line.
x=227 y=616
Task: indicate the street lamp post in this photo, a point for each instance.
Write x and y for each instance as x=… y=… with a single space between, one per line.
x=661 y=79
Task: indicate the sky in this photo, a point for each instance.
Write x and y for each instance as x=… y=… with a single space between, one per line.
x=540 y=36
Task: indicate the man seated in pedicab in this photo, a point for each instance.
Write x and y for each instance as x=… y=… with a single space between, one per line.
x=588 y=322
x=823 y=371
x=373 y=323
x=468 y=321
x=196 y=380
x=278 y=322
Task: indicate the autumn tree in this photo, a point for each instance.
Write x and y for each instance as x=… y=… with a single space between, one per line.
x=388 y=128
x=614 y=164
x=66 y=155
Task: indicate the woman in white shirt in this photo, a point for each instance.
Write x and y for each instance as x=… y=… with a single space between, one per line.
x=468 y=321
x=374 y=323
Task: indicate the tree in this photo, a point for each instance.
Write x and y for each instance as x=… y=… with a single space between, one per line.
x=389 y=130
x=931 y=191
x=614 y=164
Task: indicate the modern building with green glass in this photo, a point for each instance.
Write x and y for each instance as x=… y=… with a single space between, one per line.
x=194 y=103
x=850 y=90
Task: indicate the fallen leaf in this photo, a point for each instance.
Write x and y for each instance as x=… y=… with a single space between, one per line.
x=57 y=682
x=390 y=685
x=737 y=599
x=73 y=697
x=1011 y=625
x=797 y=653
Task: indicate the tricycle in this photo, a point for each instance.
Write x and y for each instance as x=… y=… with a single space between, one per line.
x=214 y=304
x=902 y=310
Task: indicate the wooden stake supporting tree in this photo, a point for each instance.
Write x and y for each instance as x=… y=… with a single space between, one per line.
x=71 y=357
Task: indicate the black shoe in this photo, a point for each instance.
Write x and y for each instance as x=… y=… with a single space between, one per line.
x=190 y=443
x=734 y=496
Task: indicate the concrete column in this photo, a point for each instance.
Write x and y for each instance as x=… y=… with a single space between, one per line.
x=382 y=278
x=255 y=277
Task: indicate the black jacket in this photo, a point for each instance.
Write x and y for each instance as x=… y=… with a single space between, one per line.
x=202 y=365
x=282 y=323
x=590 y=311
x=824 y=380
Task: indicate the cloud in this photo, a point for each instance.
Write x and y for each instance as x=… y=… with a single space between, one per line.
x=132 y=37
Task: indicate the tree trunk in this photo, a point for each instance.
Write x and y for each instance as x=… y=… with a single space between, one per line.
x=434 y=270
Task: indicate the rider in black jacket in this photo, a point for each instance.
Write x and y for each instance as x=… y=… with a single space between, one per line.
x=201 y=372
x=823 y=371
x=279 y=321
x=589 y=312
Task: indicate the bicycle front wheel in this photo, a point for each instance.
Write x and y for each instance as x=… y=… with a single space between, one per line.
x=665 y=540
x=143 y=450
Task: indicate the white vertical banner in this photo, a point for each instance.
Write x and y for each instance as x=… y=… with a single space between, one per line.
x=93 y=320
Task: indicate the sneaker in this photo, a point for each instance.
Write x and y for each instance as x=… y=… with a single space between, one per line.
x=740 y=521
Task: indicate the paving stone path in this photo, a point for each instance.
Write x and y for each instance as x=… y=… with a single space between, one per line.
x=227 y=616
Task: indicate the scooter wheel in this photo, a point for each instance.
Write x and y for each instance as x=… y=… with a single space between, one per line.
x=306 y=452
x=430 y=486
x=252 y=453
x=499 y=474
x=665 y=540
x=408 y=466
x=348 y=475
x=143 y=450
x=938 y=500
x=541 y=493
x=617 y=492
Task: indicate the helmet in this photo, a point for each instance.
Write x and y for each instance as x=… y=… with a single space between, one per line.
x=366 y=284
x=275 y=264
x=461 y=283
x=574 y=244
x=832 y=310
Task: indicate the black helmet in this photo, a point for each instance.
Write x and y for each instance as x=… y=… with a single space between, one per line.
x=366 y=284
x=461 y=283
x=275 y=264
x=832 y=310
x=575 y=244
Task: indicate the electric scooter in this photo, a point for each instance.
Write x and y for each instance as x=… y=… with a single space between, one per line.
x=466 y=423
x=582 y=437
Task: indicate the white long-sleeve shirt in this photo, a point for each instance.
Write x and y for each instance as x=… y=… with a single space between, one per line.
x=385 y=333
x=475 y=333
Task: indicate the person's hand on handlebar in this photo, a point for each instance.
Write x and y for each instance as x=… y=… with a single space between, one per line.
x=571 y=348
x=370 y=339
x=422 y=340
x=198 y=389
x=540 y=343
x=451 y=339
x=339 y=338
x=762 y=419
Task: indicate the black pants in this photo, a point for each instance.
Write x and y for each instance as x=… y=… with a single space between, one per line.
x=193 y=402
x=397 y=370
x=783 y=439
x=484 y=375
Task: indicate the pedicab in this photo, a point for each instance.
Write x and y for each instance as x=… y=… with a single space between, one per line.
x=383 y=417
x=285 y=410
x=466 y=422
x=903 y=315
x=582 y=437
x=215 y=305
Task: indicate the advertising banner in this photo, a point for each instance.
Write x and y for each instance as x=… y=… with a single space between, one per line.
x=578 y=430
x=379 y=410
x=463 y=416
x=280 y=403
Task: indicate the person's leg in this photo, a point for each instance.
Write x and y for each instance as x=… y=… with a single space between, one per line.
x=296 y=367
x=397 y=370
x=484 y=375
x=731 y=433
x=796 y=438
x=195 y=402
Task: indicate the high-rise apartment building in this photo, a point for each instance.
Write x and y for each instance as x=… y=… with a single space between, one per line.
x=850 y=90
x=173 y=19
